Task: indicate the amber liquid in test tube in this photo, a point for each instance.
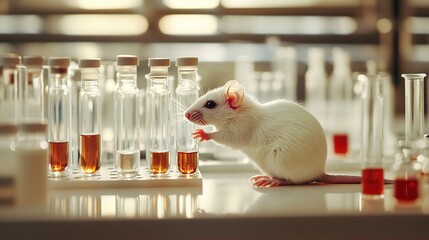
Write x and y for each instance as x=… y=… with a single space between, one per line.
x=58 y=115
x=158 y=116
x=90 y=116
x=186 y=95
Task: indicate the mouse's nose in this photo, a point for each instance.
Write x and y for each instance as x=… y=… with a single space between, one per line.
x=188 y=115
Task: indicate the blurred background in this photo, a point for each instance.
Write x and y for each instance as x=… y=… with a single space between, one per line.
x=393 y=33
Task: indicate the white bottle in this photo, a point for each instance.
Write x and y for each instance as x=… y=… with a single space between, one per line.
x=32 y=158
x=7 y=164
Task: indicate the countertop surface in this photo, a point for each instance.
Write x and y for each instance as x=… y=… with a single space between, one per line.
x=226 y=206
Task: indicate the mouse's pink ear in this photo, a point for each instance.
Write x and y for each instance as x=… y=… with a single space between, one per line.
x=234 y=94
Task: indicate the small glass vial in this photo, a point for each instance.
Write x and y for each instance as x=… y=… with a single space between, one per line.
x=90 y=116
x=58 y=115
x=407 y=177
x=186 y=95
x=9 y=101
x=127 y=118
x=32 y=154
x=33 y=108
x=158 y=116
x=372 y=136
x=414 y=112
x=7 y=163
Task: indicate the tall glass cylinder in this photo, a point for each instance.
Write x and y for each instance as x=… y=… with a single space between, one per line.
x=9 y=105
x=372 y=135
x=158 y=116
x=186 y=95
x=127 y=118
x=414 y=111
x=33 y=106
x=58 y=114
x=90 y=116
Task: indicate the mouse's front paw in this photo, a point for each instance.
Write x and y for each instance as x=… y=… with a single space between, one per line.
x=201 y=134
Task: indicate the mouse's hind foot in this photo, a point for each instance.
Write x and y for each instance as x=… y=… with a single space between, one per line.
x=266 y=181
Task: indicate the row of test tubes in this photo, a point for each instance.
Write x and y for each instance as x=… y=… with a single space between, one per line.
x=26 y=98
x=412 y=162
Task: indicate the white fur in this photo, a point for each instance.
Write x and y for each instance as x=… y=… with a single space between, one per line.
x=282 y=138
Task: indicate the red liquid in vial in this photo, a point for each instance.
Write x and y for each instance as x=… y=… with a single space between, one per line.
x=406 y=189
x=90 y=153
x=373 y=181
x=341 y=143
x=160 y=162
x=187 y=162
x=58 y=156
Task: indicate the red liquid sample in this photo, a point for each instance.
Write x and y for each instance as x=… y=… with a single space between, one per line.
x=406 y=189
x=58 y=156
x=341 y=144
x=160 y=162
x=90 y=153
x=187 y=162
x=373 y=181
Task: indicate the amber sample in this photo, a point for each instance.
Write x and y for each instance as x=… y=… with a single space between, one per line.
x=187 y=162
x=90 y=153
x=160 y=162
x=58 y=156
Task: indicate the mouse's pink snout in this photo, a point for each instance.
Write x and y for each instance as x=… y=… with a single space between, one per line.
x=195 y=117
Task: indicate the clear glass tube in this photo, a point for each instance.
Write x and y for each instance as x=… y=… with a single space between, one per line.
x=186 y=95
x=158 y=116
x=33 y=103
x=372 y=135
x=127 y=118
x=58 y=115
x=414 y=111
x=9 y=101
x=90 y=116
x=75 y=86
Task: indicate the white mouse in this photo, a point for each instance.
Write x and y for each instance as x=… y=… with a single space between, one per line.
x=281 y=137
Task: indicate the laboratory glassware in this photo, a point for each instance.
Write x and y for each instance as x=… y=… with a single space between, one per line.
x=33 y=101
x=90 y=116
x=127 y=118
x=9 y=95
x=372 y=135
x=158 y=116
x=58 y=114
x=186 y=95
x=407 y=177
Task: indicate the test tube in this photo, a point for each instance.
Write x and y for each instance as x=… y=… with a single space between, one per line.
x=157 y=116
x=127 y=118
x=75 y=86
x=372 y=135
x=58 y=115
x=414 y=111
x=186 y=95
x=9 y=105
x=33 y=107
x=90 y=116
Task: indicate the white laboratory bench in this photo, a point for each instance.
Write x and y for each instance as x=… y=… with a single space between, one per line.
x=225 y=207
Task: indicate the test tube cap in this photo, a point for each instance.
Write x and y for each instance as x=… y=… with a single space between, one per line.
x=33 y=60
x=186 y=61
x=39 y=127
x=10 y=60
x=8 y=128
x=127 y=60
x=89 y=63
x=158 y=62
x=59 y=62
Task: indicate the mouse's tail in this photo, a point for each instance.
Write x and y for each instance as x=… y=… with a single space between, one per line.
x=339 y=179
x=344 y=179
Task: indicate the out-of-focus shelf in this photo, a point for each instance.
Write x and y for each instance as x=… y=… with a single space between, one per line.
x=107 y=177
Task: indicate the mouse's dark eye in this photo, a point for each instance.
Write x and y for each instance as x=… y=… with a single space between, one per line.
x=210 y=104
